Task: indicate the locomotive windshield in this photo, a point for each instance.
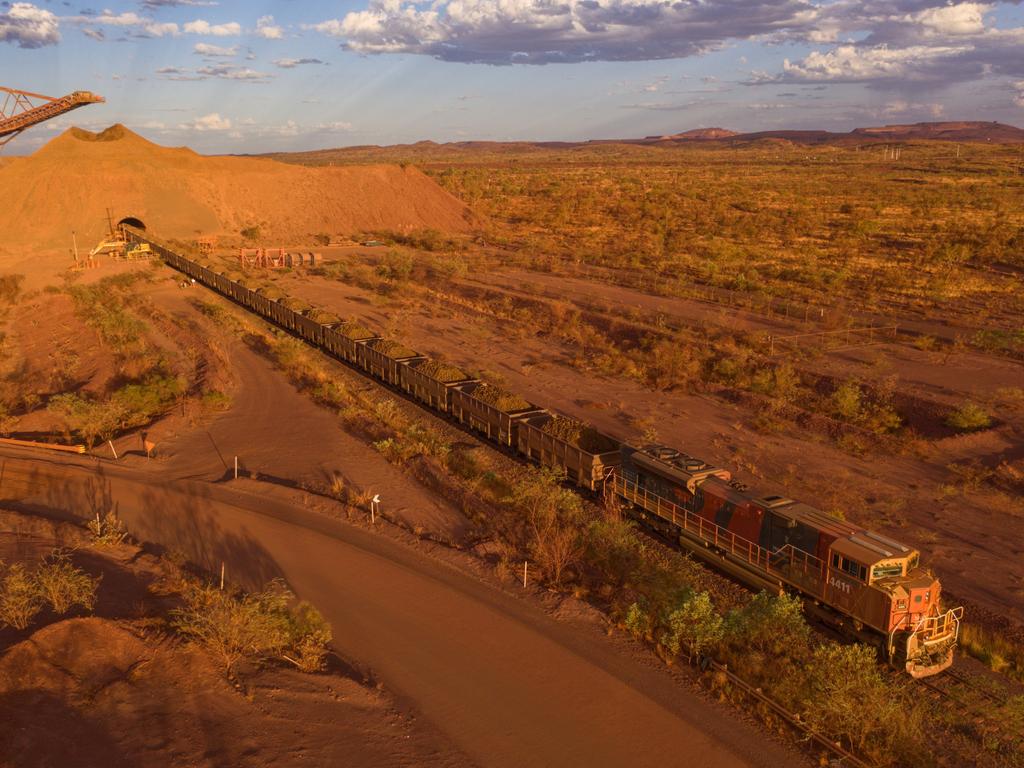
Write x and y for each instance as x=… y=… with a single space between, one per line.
x=886 y=570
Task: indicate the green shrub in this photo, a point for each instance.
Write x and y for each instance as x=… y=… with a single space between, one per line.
x=396 y=266
x=234 y=626
x=697 y=624
x=64 y=586
x=772 y=625
x=251 y=233
x=849 y=698
x=108 y=530
x=638 y=622
x=846 y=401
x=20 y=600
x=969 y=417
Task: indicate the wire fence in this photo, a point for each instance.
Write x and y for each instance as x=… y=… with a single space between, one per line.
x=833 y=341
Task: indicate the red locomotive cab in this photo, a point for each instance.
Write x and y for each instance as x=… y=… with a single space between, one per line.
x=922 y=635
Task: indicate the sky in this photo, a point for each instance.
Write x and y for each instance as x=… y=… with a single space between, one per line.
x=258 y=76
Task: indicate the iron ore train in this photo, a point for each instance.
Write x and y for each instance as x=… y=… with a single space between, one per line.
x=868 y=586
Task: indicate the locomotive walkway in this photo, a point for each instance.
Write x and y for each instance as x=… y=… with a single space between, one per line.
x=505 y=682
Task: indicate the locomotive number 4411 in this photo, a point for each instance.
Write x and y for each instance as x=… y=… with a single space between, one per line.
x=839 y=584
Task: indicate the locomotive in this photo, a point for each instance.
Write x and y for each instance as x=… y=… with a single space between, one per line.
x=867 y=586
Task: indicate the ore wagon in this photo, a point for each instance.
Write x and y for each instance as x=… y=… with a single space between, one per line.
x=487 y=409
x=344 y=340
x=431 y=382
x=383 y=359
x=586 y=459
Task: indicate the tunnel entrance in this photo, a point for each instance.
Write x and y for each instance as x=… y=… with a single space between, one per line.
x=131 y=221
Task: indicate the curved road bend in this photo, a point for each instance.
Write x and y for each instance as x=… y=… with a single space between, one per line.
x=508 y=684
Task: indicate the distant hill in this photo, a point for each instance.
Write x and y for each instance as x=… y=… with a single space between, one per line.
x=997 y=133
x=697 y=134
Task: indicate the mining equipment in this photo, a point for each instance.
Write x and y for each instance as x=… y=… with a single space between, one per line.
x=22 y=109
x=117 y=245
x=276 y=258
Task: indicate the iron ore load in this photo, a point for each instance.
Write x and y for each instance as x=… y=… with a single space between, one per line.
x=867 y=586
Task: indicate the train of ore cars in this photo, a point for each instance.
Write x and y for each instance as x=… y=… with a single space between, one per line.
x=866 y=585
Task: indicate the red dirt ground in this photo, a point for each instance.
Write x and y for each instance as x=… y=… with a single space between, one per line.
x=110 y=691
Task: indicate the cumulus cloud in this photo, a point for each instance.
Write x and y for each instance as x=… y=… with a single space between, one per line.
x=292 y=63
x=220 y=71
x=140 y=26
x=902 y=44
x=884 y=43
x=851 y=63
x=1018 y=99
x=28 y=26
x=267 y=29
x=152 y=4
x=232 y=72
x=210 y=122
x=205 y=49
x=201 y=27
x=546 y=31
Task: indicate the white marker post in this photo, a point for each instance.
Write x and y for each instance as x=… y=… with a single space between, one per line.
x=236 y=467
x=525 y=572
x=374 y=507
x=111 y=444
x=221 y=575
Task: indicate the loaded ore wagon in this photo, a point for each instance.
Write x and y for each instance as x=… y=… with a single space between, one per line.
x=585 y=455
x=383 y=359
x=431 y=382
x=344 y=340
x=491 y=410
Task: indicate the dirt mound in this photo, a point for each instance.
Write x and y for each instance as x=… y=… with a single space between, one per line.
x=69 y=184
x=89 y=692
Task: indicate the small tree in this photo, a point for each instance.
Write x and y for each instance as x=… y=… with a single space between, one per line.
x=638 y=622
x=553 y=515
x=849 y=699
x=20 y=600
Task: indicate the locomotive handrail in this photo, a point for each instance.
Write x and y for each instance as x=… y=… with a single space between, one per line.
x=718 y=536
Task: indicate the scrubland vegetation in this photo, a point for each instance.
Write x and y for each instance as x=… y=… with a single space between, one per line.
x=233 y=625
x=53 y=583
x=788 y=221
x=229 y=623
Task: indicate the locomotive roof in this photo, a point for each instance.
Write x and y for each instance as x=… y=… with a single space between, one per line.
x=676 y=465
x=851 y=541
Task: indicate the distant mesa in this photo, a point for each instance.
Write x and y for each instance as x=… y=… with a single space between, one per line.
x=70 y=182
x=931 y=131
x=699 y=134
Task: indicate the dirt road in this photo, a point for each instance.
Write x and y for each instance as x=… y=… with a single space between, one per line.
x=509 y=685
